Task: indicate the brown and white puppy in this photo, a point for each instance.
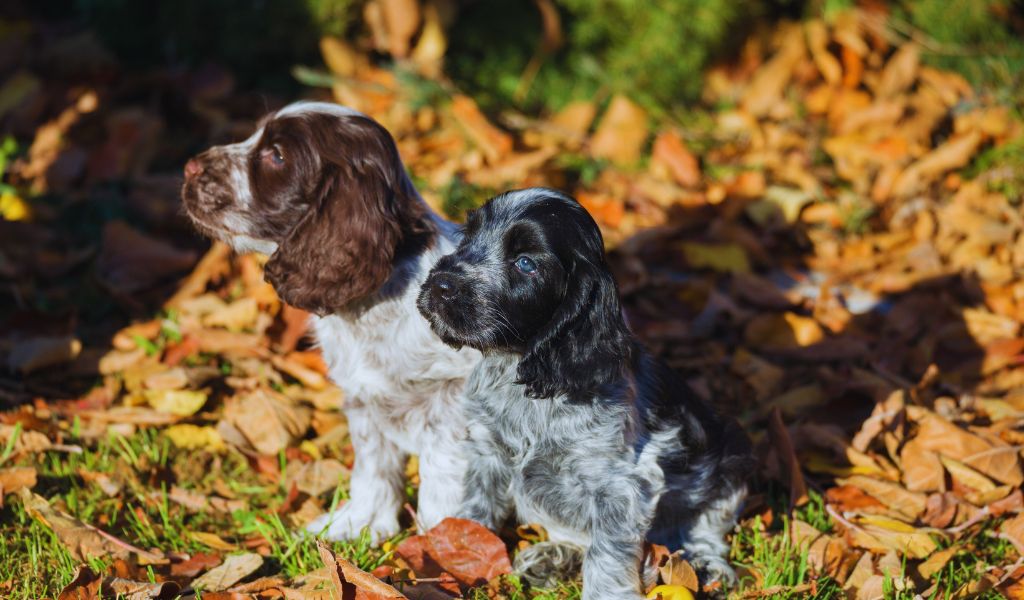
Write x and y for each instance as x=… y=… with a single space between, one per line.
x=321 y=189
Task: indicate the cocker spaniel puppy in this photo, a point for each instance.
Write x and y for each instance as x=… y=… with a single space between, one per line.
x=571 y=424
x=322 y=190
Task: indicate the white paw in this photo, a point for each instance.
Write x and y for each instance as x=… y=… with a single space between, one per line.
x=348 y=522
x=715 y=568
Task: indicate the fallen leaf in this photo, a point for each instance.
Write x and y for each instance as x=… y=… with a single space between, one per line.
x=899 y=73
x=212 y=540
x=779 y=436
x=677 y=571
x=351 y=582
x=937 y=561
x=131 y=262
x=722 y=258
x=263 y=421
x=908 y=504
x=16 y=479
x=316 y=477
x=83 y=541
x=237 y=316
x=494 y=143
x=194 y=437
x=939 y=435
x=38 y=353
x=182 y=403
x=235 y=568
x=468 y=550
x=194 y=565
x=922 y=469
x=621 y=134
x=670 y=152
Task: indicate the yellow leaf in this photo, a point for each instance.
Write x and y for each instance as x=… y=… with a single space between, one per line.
x=723 y=258
x=339 y=56
x=176 y=402
x=13 y=208
x=212 y=540
x=671 y=592
x=817 y=463
x=240 y=314
x=191 y=437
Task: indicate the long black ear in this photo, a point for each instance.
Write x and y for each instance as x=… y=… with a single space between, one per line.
x=585 y=345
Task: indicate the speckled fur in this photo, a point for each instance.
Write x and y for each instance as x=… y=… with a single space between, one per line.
x=603 y=465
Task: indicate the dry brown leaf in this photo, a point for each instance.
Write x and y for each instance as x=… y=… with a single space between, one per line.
x=1013 y=530
x=817 y=42
x=212 y=540
x=234 y=569
x=308 y=377
x=677 y=571
x=237 y=316
x=940 y=436
x=937 y=561
x=213 y=265
x=350 y=582
x=316 y=477
x=573 y=121
x=402 y=18
x=131 y=262
x=16 y=479
x=922 y=469
x=773 y=330
x=468 y=550
x=770 y=81
x=339 y=56
x=789 y=463
x=622 y=132
x=83 y=541
x=38 y=353
x=955 y=153
x=908 y=504
x=671 y=153
x=266 y=422
x=494 y=143
x=27 y=440
x=900 y=72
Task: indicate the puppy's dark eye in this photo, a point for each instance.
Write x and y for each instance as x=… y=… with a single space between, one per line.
x=274 y=156
x=526 y=266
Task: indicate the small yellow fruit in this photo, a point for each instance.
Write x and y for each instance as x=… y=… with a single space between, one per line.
x=671 y=592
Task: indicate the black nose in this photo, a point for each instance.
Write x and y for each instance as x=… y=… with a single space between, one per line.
x=444 y=286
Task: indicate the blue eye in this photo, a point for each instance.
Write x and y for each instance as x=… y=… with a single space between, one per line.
x=526 y=266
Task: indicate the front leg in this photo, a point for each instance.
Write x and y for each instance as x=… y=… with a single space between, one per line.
x=442 y=470
x=375 y=490
x=488 y=497
x=620 y=513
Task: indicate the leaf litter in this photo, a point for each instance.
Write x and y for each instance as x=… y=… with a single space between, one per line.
x=812 y=255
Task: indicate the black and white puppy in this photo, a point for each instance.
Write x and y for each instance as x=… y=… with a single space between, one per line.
x=571 y=424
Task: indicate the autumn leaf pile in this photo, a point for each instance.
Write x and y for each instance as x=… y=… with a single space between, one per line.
x=819 y=254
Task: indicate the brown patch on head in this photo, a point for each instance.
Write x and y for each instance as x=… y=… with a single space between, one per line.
x=361 y=216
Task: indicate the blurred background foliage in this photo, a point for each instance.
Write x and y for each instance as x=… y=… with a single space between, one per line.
x=539 y=55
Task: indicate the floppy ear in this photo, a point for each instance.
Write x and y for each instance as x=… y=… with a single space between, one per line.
x=345 y=246
x=585 y=345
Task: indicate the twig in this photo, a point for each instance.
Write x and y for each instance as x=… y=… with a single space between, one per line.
x=777 y=589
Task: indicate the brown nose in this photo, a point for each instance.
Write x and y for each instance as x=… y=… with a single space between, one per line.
x=192 y=169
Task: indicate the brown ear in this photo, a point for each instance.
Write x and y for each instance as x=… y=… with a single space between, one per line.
x=366 y=217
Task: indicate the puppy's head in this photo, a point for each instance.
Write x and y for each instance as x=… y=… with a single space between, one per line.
x=320 y=188
x=530 y=277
